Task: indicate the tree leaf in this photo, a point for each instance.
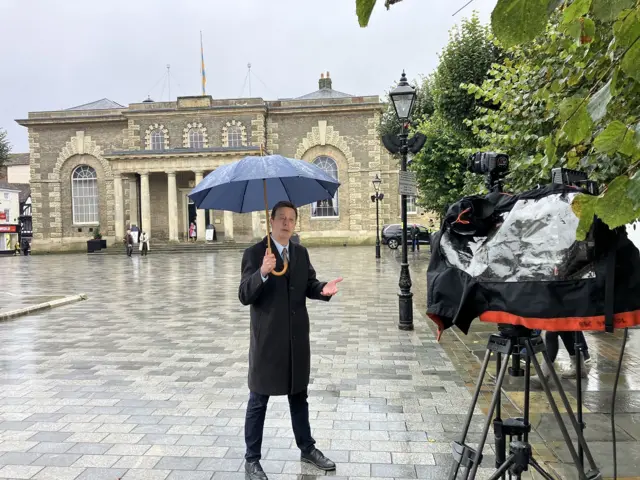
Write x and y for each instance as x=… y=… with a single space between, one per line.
x=550 y=149
x=631 y=62
x=608 y=10
x=614 y=82
x=627 y=28
x=614 y=207
x=573 y=29
x=588 y=31
x=610 y=139
x=628 y=146
x=363 y=11
x=584 y=206
x=576 y=10
x=519 y=21
x=633 y=190
x=597 y=107
x=577 y=122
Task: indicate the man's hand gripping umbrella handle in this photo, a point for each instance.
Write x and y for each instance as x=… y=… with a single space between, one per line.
x=266 y=212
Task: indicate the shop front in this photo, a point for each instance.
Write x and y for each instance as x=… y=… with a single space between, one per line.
x=9 y=238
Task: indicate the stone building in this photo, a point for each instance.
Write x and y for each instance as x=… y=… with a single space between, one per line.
x=107 y=166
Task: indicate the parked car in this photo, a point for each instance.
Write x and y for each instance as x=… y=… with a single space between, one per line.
x=392 y=235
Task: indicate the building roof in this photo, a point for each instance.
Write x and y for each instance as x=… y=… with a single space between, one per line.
x=325 y=90
x=17 y=159
x=23 y=188
x=324 y=93
x=104 y=104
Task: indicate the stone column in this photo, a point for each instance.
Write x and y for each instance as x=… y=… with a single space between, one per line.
x=258 y=231
x=201 y=221
x=118 y=195
x=133 y=201
x=145 y=199
x=228 y=226
x=173 y=206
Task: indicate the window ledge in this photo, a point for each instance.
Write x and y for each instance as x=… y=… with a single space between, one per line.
x=324 y=218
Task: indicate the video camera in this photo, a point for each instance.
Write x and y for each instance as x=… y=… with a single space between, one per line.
x=493 y=165
x=488 y=162
x=566 y=176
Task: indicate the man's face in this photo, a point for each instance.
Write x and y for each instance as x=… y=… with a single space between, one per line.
x=284 y=223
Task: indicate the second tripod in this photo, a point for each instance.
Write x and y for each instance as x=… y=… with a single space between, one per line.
x=510 y=342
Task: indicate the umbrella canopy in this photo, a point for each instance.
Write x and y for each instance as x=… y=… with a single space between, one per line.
x=240 y=186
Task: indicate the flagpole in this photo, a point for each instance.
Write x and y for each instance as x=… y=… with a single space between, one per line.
x=202 y=70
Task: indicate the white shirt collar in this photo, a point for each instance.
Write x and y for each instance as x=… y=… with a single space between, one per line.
x=280 y=247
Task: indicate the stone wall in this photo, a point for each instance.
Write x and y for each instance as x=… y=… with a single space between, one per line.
x=55 y=150
x=351 y=139
x=175 y=126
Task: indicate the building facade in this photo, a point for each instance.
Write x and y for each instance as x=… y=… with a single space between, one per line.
x=106 y=166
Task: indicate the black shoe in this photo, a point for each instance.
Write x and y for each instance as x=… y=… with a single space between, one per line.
x=253 y=471
x=317 y=458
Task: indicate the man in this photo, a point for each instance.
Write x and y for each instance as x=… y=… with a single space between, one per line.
x=279 y=348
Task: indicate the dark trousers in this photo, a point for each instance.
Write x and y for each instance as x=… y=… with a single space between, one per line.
x=254 y=423
x=569 y=340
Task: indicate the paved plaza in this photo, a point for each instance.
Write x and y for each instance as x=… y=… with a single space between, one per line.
x=147 y=378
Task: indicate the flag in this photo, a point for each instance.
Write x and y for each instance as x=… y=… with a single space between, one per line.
x=204 y=75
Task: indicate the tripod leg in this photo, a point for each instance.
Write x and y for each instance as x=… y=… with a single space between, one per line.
x=554 y=407
x=503 y=468
x=455 y=467
x=574 y=422
x=539 y=469
x=476 y=394
x=492 y=408
x=498 y=433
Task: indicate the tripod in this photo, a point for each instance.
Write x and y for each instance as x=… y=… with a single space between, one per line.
x=510 y=342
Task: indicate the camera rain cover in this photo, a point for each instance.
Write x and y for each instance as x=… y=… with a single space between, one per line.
x=515 y=259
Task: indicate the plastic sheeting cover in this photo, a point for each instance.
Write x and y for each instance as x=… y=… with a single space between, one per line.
x=536 y=241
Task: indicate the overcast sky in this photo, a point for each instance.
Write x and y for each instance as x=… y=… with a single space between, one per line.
x=57 y=54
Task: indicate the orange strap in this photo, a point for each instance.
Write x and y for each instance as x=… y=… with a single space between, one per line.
x=459 y=219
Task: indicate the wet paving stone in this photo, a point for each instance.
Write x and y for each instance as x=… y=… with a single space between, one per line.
x=148 y=377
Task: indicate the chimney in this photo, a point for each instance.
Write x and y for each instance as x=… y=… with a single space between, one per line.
x=324 y=82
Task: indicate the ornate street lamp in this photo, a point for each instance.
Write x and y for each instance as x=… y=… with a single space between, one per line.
x=376 y=198
x=404 y=98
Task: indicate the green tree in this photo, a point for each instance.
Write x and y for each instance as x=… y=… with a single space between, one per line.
x=466 y=58
x=439 y=166
x=590 y=101
x=5 y=148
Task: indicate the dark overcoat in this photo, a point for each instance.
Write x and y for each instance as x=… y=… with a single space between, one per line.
x=279 y=349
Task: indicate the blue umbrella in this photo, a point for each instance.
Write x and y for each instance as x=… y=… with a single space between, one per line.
x=258 y=182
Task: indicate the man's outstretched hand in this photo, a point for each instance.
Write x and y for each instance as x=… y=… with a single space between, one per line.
x=331 y=288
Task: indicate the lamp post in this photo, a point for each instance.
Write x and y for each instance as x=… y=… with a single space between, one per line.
x=403 y=98
x=376 y=198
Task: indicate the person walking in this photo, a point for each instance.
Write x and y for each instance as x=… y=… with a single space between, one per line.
x=279 y=346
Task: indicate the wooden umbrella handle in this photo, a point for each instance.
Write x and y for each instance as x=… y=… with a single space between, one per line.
x=266 y=212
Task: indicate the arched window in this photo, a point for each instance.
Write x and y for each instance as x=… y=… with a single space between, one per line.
x=326 y=208
x=84 y=195
x=234 y=136
x=196 y=138
x=157 y=140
